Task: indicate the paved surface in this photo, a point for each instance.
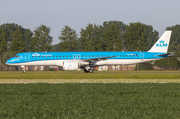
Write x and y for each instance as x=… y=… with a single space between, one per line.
x=54 y=81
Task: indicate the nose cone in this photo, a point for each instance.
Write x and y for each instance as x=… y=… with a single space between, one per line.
x=7 y=62
x=10 y=61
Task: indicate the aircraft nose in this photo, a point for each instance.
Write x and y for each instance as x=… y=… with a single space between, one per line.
x=9 y=61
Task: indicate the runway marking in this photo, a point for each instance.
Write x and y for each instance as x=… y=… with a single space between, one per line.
x=56 y=81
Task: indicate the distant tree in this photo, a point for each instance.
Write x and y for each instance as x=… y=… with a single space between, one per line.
x=174 y=45
x=119 y=24
x=152 y=37
x=3 y=41
x=112 y=38
x=120 y=27
x=10 y=28
x=41 y=41
x=91 y=38
x=27 y=36
x=144 y=66
x=55 y=48
x=18 y=42
x=68 y=39
x=168 y=63
x=139 y=37
x=3 y=45
x=79 y=45
x=7 y=55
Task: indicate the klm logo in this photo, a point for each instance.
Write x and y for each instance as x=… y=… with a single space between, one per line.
x=161 y=44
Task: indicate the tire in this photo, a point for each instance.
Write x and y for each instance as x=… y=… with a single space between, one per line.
x=24 y=71
x=88 y=71
x=91 y=71
x=85 y=70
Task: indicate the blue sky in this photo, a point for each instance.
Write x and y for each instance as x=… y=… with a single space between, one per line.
x=78 y=13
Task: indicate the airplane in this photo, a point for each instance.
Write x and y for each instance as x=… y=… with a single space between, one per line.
x=88 y=60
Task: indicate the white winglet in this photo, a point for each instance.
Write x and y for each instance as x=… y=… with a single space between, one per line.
x=162 y=44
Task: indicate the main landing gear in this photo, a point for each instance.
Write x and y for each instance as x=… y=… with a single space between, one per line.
x=88 y=70
x=24 y=71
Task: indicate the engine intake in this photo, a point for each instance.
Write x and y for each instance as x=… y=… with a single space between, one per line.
x=70 y=66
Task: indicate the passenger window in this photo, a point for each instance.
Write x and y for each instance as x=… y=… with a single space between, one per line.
x=102 y=55
x=82 y=55
x=127 y=55
x=53 y=56
x=95 y=55
x=92 y=56
x=70 y=55
x=89 y=56
x=123 y=55
x=136 y=55
x=60 y=56
x=99 y=55
x=86 y=56
x=63 y=56
x=46 y=56
x=105 y=55
x=66 y=56
x=33 y=56
x=42 y=56
x=39 y=56
x=119 y=55
x=36 y=56
x=49 y=56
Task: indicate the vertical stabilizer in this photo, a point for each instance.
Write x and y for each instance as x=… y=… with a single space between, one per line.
x=162 y=44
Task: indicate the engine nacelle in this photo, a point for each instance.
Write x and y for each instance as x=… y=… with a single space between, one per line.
x=70 y=66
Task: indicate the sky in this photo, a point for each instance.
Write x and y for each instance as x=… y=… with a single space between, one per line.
x=79 y=13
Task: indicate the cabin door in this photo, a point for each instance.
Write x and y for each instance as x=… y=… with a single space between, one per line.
x=27 y=57
x=141 y=56
x=76 y=56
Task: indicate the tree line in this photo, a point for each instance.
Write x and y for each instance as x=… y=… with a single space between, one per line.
x=110 y=36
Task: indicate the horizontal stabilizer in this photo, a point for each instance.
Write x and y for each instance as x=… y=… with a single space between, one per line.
x=167 y=54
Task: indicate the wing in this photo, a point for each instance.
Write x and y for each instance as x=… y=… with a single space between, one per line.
x=97 y=59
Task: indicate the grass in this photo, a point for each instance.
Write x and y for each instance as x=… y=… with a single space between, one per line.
x=90 y=101
x=95 y=75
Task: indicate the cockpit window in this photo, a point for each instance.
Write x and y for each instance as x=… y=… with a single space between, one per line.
x=17 y=56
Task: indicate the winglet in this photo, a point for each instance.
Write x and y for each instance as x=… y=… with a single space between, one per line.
x=162 y=44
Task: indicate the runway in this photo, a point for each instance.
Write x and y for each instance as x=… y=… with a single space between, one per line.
x=56 y=81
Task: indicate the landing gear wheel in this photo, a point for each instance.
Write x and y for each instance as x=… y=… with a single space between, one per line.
x=88 y=71
x=85 y=70
x=91 y=71
x=24 y=71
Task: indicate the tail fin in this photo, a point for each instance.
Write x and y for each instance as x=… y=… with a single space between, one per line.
x=162 y=44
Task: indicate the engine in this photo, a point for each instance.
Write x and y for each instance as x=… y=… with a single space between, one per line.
x=70 y=66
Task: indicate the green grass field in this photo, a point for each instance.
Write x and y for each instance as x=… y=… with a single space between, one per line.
x=95 y=75
x=92 y=101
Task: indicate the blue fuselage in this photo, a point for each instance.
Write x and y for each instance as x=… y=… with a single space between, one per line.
x=44 y=58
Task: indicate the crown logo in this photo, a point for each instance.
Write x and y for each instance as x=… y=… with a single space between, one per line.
x=161 y=41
